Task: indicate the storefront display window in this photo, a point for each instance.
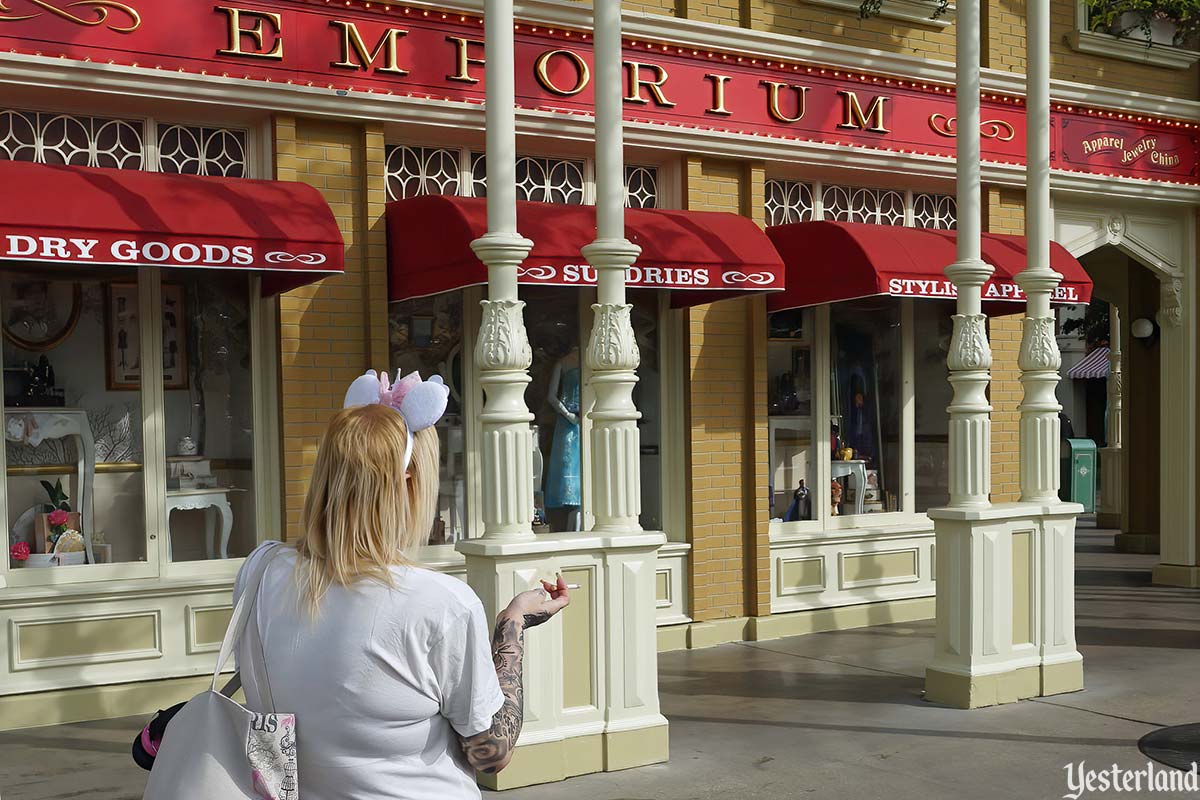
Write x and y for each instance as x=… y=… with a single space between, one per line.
x=72 y=419
x=647 y=396
x=931 y=337
x=426 y=335
x=865 y=434
x=791 y=419
x=555 y=396
x=209 y=415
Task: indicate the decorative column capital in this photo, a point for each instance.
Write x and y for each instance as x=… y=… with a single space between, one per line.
x=968 y=273
x=969 y=348
x=1039 y=346
x=611 y=253
x=503 y=343
x=501 y=249
x=613 y=345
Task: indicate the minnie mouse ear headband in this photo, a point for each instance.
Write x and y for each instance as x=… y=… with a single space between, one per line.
x=421 y=403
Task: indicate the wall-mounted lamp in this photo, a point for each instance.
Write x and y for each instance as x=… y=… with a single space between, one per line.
x=1142 y=328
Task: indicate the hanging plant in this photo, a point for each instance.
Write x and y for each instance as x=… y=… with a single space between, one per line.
x=1139 y=19
x=872 y=8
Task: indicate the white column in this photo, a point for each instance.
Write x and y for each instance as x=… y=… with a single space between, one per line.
x=1060 y=665
x=973 y=639
x=1112 y=471
x=970 y=357
x=612 y=351
x=1039 y=357
x=502 y=349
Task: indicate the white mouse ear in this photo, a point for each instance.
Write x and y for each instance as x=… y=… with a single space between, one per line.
x=424 y=404
x=364 y=391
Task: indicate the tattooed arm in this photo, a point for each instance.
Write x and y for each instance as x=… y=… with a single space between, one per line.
x=491 y=750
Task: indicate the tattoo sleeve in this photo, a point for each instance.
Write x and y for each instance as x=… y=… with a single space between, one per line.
x=489 y=751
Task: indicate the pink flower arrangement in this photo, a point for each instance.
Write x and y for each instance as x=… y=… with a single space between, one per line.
x=19 y=551
x=58 y=517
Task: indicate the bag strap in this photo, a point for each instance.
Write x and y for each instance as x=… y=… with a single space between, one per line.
x=244 y=608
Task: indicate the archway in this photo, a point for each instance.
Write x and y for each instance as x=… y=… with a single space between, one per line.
x=1144 y=256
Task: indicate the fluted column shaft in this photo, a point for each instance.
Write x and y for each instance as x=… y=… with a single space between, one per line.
x=612 y=353
x=970 y=357
x=1115 y=401
x=502 y=349
x=1039 y=357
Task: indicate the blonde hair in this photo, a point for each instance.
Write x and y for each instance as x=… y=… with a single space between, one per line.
x=362 y=516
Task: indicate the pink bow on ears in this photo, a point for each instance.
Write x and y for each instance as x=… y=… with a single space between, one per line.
x=421 y=403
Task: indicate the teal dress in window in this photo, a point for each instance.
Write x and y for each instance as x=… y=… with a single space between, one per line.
x=563 y=480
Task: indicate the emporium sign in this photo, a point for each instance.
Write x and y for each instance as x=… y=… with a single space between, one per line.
x=349 y=46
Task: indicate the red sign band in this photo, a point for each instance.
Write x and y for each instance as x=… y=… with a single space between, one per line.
x=435 y=55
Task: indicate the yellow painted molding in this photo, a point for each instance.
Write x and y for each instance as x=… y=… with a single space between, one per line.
x=694 y=635
x=717 y=631
x=980 y=691
x=1177 y=575
x=673 y=637
x=96 y=702
x=1062 y=678
x=635 y=748
x=532 y=764
x=840 y=618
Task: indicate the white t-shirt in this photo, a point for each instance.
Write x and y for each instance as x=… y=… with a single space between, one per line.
x=379 y=681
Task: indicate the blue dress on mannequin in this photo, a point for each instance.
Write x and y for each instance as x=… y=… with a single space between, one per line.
x=563 y=481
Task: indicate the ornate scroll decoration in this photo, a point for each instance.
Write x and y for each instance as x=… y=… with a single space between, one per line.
x=968 y=343
x=1039 y=347
x=738 y=278
x=281 y=257
x=101 y=8
x=1170 y=308
x=503 y=343
x=537 y=272
x=989 y=128
x=613 y=345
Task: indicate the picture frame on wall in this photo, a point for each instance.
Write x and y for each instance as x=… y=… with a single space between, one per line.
x=421 y=330
x=123 y=357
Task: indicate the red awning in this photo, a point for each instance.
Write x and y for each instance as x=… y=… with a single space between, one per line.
x=832 y=261
x=1093 y=366
x=91 y=217
x=706 y=254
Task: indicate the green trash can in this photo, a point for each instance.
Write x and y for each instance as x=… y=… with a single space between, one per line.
x=1079 y=473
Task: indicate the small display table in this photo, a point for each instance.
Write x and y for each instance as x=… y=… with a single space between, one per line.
x=857 y=469
x=209 y=501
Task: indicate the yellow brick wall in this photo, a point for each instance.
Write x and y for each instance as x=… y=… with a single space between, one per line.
x=797 y=18
x=726 y=405
x=331 y=331
x=1004 y=212
x=1004 y=32
x=665 y=8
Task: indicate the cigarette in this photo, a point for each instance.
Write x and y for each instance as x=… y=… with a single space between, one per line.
x=572 y=585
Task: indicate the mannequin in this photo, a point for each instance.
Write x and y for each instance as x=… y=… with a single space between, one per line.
x=563 y=472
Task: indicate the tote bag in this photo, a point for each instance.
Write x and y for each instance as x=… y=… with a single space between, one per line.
x=216 y=749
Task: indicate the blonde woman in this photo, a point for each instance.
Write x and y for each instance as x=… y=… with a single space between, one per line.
x=386 y=665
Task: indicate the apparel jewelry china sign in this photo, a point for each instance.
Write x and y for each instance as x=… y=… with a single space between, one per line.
x=384 y=49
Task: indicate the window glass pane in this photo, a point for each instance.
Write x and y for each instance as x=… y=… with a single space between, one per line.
x=425 y=335
x=647 y=395
x=866 y=405
x=933 y=325
x=792 y=432
x=72 y=414
x=209 y=415
x=555 y=398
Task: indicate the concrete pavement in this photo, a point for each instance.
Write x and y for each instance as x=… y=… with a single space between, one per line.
x=834 y=715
